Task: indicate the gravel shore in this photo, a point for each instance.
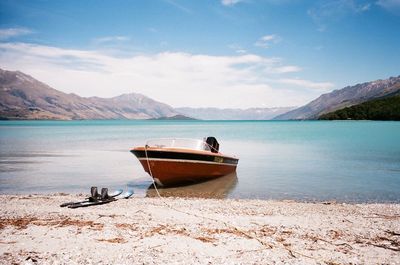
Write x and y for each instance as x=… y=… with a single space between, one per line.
x=35 y=230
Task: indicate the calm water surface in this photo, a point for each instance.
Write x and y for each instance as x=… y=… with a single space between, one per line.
x=312 y=160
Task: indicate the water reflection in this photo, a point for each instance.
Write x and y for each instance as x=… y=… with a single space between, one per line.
x=218 y=188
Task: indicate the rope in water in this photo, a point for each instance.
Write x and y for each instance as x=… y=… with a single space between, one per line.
x=262 y=242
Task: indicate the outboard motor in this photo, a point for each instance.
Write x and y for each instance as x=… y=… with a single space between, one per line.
x=213 y=143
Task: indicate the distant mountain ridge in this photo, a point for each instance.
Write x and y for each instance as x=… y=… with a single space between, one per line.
x=386 y=108
x=233 y=114
x=23 y=97
x=178 y=117
x=345 y=97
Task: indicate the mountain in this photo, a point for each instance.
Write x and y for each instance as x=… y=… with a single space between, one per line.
x=176 y=117
x=342 y=98
x=233 y=114
x=23 y=97
x=387 y=108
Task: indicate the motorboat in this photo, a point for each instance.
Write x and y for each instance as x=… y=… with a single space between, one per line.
x=179 y=161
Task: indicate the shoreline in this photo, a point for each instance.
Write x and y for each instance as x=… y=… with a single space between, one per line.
x=167 y=193
x=35 y=229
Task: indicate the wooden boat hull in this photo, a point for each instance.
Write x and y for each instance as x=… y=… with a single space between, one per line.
x=173 y=167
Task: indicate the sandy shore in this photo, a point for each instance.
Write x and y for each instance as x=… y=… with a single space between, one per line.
x=35 y=230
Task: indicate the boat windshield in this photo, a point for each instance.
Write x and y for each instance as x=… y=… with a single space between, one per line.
x=193 y=144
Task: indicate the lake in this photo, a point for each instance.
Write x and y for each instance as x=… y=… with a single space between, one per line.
x=349 y=161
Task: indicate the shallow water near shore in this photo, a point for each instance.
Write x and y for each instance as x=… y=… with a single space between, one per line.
x=352 y=161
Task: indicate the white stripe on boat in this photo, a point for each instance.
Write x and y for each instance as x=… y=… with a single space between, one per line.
x=187 y=161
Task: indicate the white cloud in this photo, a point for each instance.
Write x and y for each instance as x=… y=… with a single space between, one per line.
x=179 y=6
x=287 y=69
x=237 y=48
x=13 y=32
x=364 y=7
x=230 y=2
x=307 y=83
x=109 y=39
x=176 y=78
x=153 y=30
x=267 y=40
x=327 y=12
x=390 y=5
x=241 y=51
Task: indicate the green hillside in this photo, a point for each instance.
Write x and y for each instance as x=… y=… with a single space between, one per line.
x=387 y=108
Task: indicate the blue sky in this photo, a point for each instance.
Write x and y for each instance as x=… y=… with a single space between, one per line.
x=227 y=53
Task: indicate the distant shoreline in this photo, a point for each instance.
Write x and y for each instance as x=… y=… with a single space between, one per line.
x=190 y=119
x=167 y=194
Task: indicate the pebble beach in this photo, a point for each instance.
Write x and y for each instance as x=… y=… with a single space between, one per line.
x=35 y=230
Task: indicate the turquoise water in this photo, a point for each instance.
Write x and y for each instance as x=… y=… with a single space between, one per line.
x=354 y=161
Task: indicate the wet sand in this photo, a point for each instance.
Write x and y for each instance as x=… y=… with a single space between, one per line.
x=35 y=230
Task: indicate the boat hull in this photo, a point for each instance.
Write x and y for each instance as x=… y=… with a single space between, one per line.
x=172 y=167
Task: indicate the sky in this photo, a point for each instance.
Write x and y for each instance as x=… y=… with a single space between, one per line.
x=221 y=53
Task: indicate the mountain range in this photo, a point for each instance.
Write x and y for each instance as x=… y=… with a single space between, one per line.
x=386 y=108
x=233 y=114
x=345 y=97
x=23 y=97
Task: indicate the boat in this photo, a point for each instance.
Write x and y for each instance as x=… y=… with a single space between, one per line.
x=176 y=161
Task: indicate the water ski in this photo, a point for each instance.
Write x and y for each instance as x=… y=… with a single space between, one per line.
x=89 y=203
x=105 y=200
x=95 y=196
x=127 y=194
